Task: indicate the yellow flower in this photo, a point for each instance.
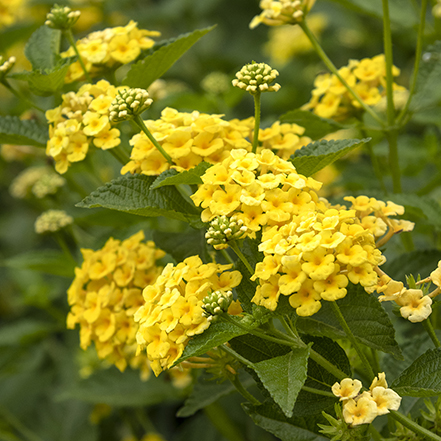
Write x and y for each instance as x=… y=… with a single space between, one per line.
x=105 y=294
x=414 y=305
x=362 y=411
x=347 y=389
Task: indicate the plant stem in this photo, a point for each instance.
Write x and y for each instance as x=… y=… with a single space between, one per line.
x=240 y=388
x=20 y=96
x=140 y=123
x=120 y=155
x=387 y=39
x=237 y=356
x=233 y=245
x=429 y=329
x=414 y=427
x=392 y=138
x=287 y=327
x=364 y=361
x=325 y=364
x=330 y=65
x=374 y=432
x=318 y=391
x=13 y=421
x=63 y=245
x=256 y=120
x=68 y=34
x=418 y=54
x=375 y=165
x=227 y=257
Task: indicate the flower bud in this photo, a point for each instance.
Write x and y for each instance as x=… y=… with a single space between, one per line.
x=52 y=221
x=6 y=66
x=128 y=104
x=256 y=78
x=216 y=304
x=62 y=18
x=223 y=230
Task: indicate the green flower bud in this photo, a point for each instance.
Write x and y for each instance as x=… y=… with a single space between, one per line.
x=62 y=18
x=6 y=66
x=52 y=221
x=256 y=78
x=225 y=229
x=128 y=104
x=216 y=304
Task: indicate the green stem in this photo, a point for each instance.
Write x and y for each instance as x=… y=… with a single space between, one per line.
x=256 y=120
x=144 y=420
x=227 y=257
x=414 y=427
x=68 y=34
x=330 y=65
x=364 y=361
x=239 y=386
x=237 y=356
x=429 y=329
x=418 y=56
x=325 y=364
x=20 y=96
x=387 y=39
x=288 y=328
x=392 y=138
x=13 y=421
x=376 y=166
x=233 y=245
x=140 y=123
x=120 y=155
x=63 y=245
x=318 y=391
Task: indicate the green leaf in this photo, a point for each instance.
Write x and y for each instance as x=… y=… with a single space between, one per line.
x=24 y=332
x=422 y=378
x=401 y=12
x=132 y=194
x=315 y=126
x=188 y=177
x=45 y=82
x=145 y=71
x=43 y=47
x=46 y=261
x=365 y=316
x=217 y=334
x=428 y=90
x=13 y=130
x=317 y=155
x=119 y=389
x=267 y=417
x=284 y=376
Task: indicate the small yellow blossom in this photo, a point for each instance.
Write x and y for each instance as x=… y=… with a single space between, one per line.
x=347 y=389
x=414 y=305
x=106 y=293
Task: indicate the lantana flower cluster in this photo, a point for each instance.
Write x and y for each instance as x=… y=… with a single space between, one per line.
x=172 y=312
x=109 y=48
x=367 y=77
x=81 y=118
x=363 y=408
x=106 y=293
x=190 y=138
x=276 y=13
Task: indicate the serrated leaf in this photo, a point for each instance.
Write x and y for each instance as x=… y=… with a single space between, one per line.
x=188 y=177
x=145 y=71
x=46 y=261
x=365 y=316
x=43 y=47
x=268 y=418
x=315 y=126
x=217 y=334
x=119 y=389
x=317 y=155
x=401 y=11
x=45 y=82
x=132 y=194
x=284 y=376
x=422 y=378
x=256 y=349
x=13 y=130
x=428 y=90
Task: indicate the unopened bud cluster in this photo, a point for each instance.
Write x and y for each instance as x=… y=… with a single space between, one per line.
x=6 y=66
x=128 y=104
x=256 y=78
x=216 y=304
x=52 y=221
x=224 y=229
x=62 y=18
